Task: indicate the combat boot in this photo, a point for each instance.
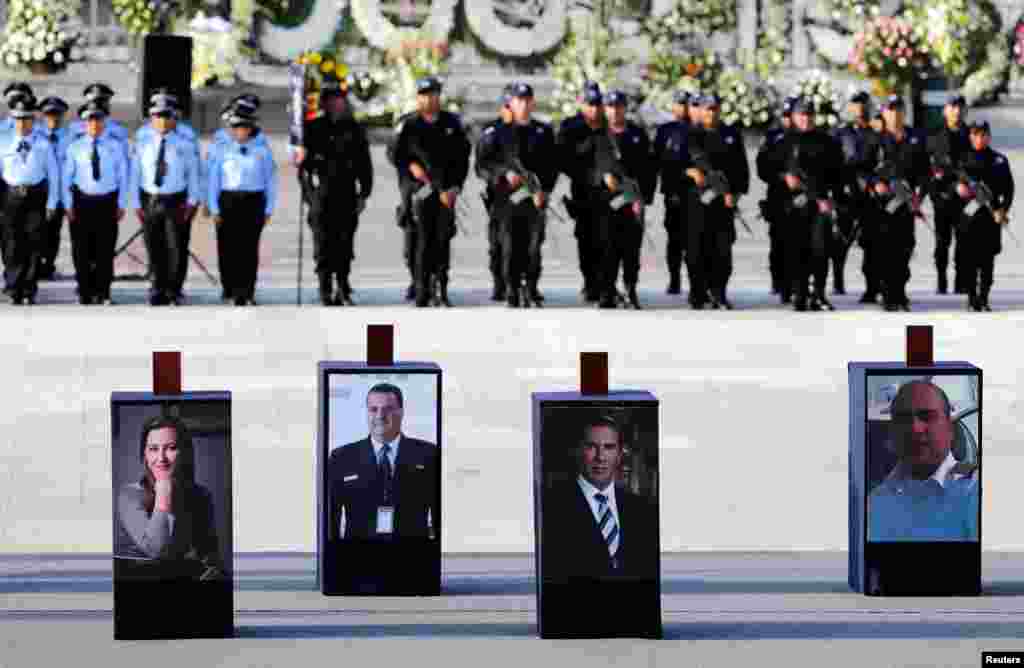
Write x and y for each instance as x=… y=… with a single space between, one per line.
x=674 y=282
x=326 y=293
x=943 y=286
x=536 y=298
x=441 y=299
x=631 y=296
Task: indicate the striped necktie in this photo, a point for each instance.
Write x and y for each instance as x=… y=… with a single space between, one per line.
x=609 y=528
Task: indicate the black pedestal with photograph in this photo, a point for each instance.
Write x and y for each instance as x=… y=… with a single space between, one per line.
x=379 y=513
x=172 y=508
x=915 y=479
x=598 y=551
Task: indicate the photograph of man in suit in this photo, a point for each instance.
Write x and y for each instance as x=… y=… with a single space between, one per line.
x=385 y=485
x=593 y=527
x=926 y=496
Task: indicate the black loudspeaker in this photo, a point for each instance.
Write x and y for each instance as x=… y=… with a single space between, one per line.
x=166 y=62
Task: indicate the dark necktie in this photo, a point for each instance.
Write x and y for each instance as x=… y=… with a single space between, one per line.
x=95 y=158
x=244 y=150
x=385 y=471
x=161 y=163
x=54 y=139
x=23 y=149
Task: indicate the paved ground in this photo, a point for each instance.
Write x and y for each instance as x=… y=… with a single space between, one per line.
x=718 y=610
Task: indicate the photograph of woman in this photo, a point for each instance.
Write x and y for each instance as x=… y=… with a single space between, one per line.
x=172 y=511
x=166 y=516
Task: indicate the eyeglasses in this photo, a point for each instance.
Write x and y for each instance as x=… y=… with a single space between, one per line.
x=907 y=417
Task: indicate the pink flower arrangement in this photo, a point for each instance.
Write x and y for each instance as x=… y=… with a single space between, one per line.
x=889 y=50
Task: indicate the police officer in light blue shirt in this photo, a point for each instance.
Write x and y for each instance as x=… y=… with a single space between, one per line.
x=165 y=191
x=11 y=92
x=103 y=94
x=95 y=195
x=242 y=196
x=28 y=169
x=928 y=496
x=53 y=130
x=146 y=133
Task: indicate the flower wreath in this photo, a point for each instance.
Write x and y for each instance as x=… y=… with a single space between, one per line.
x=505 y=39
x=382 y=34
x=287 y=43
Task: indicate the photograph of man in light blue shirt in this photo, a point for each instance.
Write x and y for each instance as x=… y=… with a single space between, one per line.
x=927 y=496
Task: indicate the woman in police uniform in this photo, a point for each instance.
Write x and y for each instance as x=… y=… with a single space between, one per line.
x=242 y=192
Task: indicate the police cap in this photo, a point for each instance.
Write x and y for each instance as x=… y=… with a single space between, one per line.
x=92 y=110
x=428 y=85
x=53 y=105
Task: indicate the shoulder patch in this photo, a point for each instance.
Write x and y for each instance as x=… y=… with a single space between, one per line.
x=1000 y=159
x=488 y=130
x=914 y=140
x=729 y=139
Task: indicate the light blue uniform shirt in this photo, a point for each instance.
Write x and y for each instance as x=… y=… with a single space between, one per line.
x=255 y=171
x=29 y=168
x=147 y=133
x=78 y=171
x=111 y=130
x=182 y=170
x=943 y=507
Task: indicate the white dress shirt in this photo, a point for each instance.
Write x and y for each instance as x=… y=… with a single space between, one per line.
x=589 y=491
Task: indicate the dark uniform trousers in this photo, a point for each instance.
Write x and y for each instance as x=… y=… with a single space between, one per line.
x=51 y=243
x=864 y=211
x=806 y=249
x=166 y=241
x=712 y=231
x=948 y=218
x=495 y=254
x=895 y=247
x=675 y=229
x=333 y=218
x=185 y=243
x=837 y=249
x=621 y=235
x=243 y=215
x=982 y=240
x=93 y=240
x=434 y=227
x=521 y=235
x=588 y=246
x=24 y=213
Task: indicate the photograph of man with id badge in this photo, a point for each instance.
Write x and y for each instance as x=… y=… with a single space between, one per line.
x=382 y=480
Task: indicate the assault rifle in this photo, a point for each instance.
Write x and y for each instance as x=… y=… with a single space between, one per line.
x=983 y=198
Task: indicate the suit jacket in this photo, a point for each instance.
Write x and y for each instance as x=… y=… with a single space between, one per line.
x=574 y=546
x=354 y=485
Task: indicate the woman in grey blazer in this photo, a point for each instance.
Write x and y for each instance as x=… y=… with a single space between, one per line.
x=165 y=520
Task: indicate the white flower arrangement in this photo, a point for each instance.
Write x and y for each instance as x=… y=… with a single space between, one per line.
x=983 y=84
x=823 y=93
x=215 y=50
x=773 y=40
x=135 y=16
x=593 y=54
x=37 y=33
x=746 y=100
x=694 y=17
x=389 y=89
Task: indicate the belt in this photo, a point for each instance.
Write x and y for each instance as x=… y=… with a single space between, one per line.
x=22 y=191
